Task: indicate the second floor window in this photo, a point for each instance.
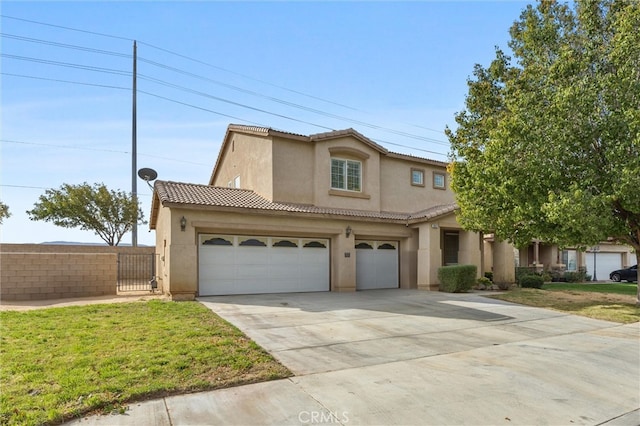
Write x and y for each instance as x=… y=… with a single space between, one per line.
x=346 y=174
x=439 y=180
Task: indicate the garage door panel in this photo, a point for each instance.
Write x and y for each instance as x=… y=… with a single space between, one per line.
x=376 y=265
x=284 y=272
x=251 y=272
x=213 y=272
x=217 y=255
x=283 y=256
x=254 y=265
x=605 y=264
x=253 y=254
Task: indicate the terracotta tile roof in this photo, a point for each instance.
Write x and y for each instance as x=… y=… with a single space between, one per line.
x=265 y=131
x=418 y=159
x=188 y=194
x=269 y=131
x=348 y=132
x=433 y=212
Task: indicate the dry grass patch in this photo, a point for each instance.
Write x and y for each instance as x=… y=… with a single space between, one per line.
x=605 y=306
x=60 y=363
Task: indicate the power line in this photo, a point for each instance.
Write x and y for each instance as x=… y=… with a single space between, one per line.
x=65 y=28
x=383 y=142
x=84 y=148
x=373 y=126
x=24 y=186
x=46 y=189
x=107 y=86
x=65 y=45
x=206 y=110
x=193 y=75
x=196 y=92
x=273 y=85
x=292 y=104
x=139 y=91
x=192 y=91
x=67 y=64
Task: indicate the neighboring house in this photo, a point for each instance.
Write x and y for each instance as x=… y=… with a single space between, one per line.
x=600 y=260
x=333 y=211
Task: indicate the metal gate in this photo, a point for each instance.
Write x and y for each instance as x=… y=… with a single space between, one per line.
x=136 y=272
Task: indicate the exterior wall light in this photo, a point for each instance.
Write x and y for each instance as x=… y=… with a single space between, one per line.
x=183 y=223
x=348 y=231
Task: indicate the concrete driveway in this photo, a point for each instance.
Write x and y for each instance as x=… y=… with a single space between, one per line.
x=409 y=357
x=413 y=357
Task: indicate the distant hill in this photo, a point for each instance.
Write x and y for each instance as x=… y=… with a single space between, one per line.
x=74 y=243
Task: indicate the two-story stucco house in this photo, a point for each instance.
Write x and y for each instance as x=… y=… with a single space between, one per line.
x=332 y=211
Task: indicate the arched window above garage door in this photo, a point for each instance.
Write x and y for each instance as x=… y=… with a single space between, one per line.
x=217 y=241
x=285 y=243
x=315 y=244
x=387 y=246
x=253 y=242
x=364 y=245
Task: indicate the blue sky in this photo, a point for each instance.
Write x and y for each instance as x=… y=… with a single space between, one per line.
x=383 y=68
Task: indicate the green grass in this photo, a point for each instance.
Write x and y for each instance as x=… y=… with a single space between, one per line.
x=618 y=305
x=618 y=288
x=60 y=363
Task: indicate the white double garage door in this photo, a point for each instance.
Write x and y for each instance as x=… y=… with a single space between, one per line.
x=605 y=263
x=235 y=264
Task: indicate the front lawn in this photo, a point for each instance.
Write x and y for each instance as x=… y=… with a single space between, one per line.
x=589 y=300
x=60 y=363
x=629 y=289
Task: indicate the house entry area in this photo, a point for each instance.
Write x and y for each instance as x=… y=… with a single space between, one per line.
x=376 y=264
x=236 y=264
x=450 y=247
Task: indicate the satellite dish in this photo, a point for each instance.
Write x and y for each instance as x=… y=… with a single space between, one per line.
x=147 y=174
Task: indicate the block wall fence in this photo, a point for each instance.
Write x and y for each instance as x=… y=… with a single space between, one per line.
x=48 y=271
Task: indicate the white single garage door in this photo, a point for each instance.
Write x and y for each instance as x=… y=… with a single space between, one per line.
x=233 y=264
x=376 y=264
x=605 y=264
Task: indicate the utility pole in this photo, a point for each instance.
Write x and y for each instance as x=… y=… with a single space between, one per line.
x=134 y=150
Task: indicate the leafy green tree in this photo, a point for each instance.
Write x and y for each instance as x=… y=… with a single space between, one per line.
x=4 y=212
x=548 y=146
x=110 y=214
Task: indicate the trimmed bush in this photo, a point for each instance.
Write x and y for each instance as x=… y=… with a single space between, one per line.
x=457 y=279
x=575 y=277
x=531 y=281
x=484 y=281
x=524 y=271
x=489 y=276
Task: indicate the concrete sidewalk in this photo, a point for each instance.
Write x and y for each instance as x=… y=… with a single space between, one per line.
x=416 y=358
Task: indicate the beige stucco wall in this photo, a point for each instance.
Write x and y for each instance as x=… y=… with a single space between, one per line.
x=430 y=256
x=299 y=171
x=398 y=195
x=420 y=252
x=504 y=271
x=324 y=196
x=250 y=157
x=177 y=254
x=282 y=169
x=293 y=171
